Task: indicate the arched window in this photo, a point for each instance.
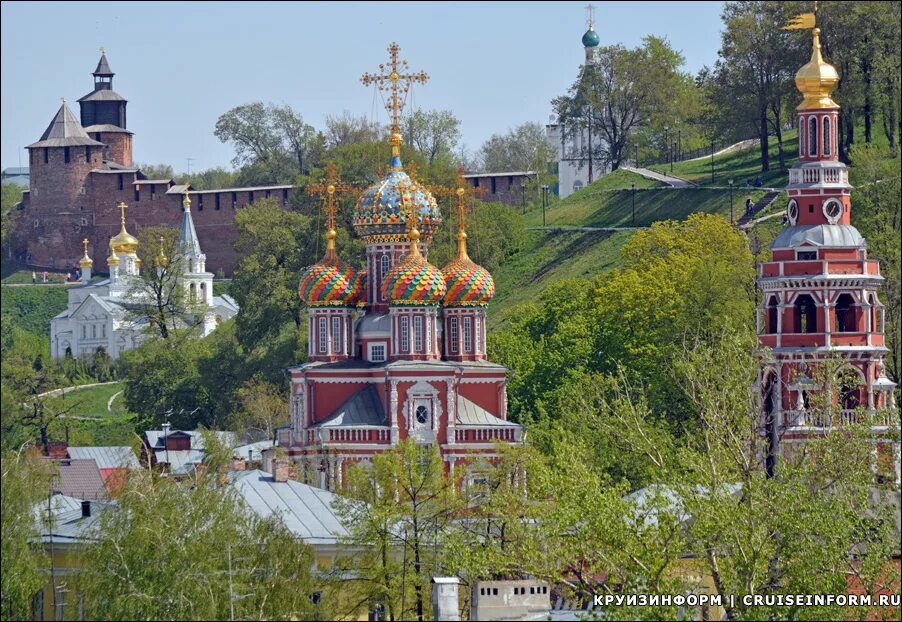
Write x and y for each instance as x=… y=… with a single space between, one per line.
x=805 y=314
x=827 y=136
x=801 y=137
x=386 y=265
x=849 y=394
x=577 y=185
x=772 y=311
x=845 y=314
x=812 y=136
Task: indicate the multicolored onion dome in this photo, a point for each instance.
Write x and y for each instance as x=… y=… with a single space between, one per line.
x=331 y=282
x=379 y=215
x=414 y=281
x=467 y=283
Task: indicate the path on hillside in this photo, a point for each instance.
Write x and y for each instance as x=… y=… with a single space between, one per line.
x=673 y=182
x=574 y=228
x=76 y=387
x=109 y=402
x=742 y=144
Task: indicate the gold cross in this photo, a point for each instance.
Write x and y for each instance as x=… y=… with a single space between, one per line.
x=392 y=78
x=327 y=192
x=186 y=201
x=122 y=207
x=85 y=242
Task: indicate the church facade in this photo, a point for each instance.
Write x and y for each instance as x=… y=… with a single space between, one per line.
x=820 y=319
x=106 y=315
x=81 y=168
x=397 y=350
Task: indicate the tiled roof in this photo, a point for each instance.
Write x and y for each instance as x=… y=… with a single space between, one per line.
x=78 y=478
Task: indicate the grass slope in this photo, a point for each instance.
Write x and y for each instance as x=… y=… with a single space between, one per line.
x=90 y=423
x=31 y=307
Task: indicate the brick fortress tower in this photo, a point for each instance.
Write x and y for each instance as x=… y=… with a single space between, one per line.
x=396 y=351
x=82 y=169
x=820 y=292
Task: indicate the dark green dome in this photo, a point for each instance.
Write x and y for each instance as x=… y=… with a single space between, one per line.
x=591 y=39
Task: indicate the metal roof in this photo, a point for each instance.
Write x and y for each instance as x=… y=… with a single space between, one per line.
x=363 y=408
x=107 y=457
x=103 y=67
x=253 y=451
x=469 y=413
x=839 y=236
x=245 y=189
x=107 y=127
x=64 y=131
x=304 y=510
x=180 y=461
x=155 y=437
x=502 y=174
x=66 y=523
x=78 y=478
x=188 y=244
x=102 y=95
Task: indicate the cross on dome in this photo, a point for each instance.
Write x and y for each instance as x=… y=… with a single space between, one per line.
x=395 y=79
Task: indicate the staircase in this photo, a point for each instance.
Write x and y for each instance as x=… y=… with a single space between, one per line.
x=762 y=204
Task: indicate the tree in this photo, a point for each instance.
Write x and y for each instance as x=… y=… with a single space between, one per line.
x=194 y=551
x=24 y=482
x=347 y=129
x=400 y=506
x=754 y=74
x=523 y=148
x=433 y=132
x=11 y=195
x=210 y=179
x=264 y=407
x=275 y=246
x=157 y=171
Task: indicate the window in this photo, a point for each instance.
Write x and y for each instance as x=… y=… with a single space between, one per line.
x=121 y=184
x=422 y=414
x=494 y=189
x=250 y=196
x=216 y=201
x=453 y=337
x=103 y=331
x=806 y=255
x=153 y=192
x=93 y=331
x=137 y=193
x=405 y=334
x=386 y=266
x=84 y=331
x=87 y=155
x=827 y=137
x=200 y=202
x=285 y=196
x=322 y=335
x=772 y=311
x=468 y=335
x=46 y=155
x=812 y=136
x=478 y=324
x=234 y=200
x=475 y=182
x=66 y=155
x=801 y=137
x=577 y=185
x=377 y=352
x=805 y=314
x=336 y=334
x=418 y=333
x=845 y=314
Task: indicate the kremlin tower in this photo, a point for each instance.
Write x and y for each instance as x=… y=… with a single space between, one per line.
x=820 y=317
x=395 y=351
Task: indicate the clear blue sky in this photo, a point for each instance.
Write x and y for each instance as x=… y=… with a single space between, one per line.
x=181 y=65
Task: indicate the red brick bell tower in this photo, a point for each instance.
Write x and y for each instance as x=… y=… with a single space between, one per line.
x=819 y=299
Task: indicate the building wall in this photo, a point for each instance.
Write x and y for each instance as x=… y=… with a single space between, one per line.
x=501 y=188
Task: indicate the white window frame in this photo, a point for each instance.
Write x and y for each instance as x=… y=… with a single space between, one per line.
x=478 y=329
x=322 y=337
x=372 y=350
x=453 y=335
x=336 y=334
x=405 y=334
x=812 y=153
x=468 y=335
x=418 y=333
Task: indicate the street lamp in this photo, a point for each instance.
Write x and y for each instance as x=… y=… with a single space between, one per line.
x=712 y=161
x=523 y=195
x=544 y=201
x=633 y=187
x=730 y=182
x=637 y=156
x=672 y=154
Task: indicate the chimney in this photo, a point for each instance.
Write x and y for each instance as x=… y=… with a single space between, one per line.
x=269 y=455
x=444 y=598
x=280 y=470
x=58 y=450
x=239 y=464
x=85 y=509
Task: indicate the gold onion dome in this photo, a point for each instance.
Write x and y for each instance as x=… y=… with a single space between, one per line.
x=332 y=282
x=817 y=78
x=112 y=260
x=413 y=281
x=86 y=262
x=379 y=214
x=466 y=282
x=123 y=242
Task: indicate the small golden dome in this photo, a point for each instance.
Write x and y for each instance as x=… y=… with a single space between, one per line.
x=817 y=79
x=86 y=262
x=123 y=242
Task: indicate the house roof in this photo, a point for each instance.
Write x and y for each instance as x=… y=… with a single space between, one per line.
x=103 y=66
x=304 y=510
x=107 y=457
x=155 y=438
x=501 y=174
x=253 y=451
x=363 y=408
x=64 y=131
x=78 y=478
x=66 y=523
x=102 y=95
x=107 y=127
x=470 y=413
x=180 y=461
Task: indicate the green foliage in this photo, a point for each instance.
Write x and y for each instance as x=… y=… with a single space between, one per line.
x=32 y=308
x=434 y=133
x=522 y=148
x=495 y=232
x=10 y=195
x=192 y=551
x=23 y=484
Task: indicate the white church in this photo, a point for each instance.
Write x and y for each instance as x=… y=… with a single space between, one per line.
x=99 y=312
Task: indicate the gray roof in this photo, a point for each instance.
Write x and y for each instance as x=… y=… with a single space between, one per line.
x=469 y=413
x=66 y=525
x=363 y=408
x=306 y=511
x=839 y=236
x=245 y=189
x=188 y=244
x=78 y=478
x=107 y=457
x=501 y=174
x=64 y=131
x=155 y=438
x=180 y=461
x=103 y=67
x=374 y=324
x=226 y=302
x=102 y=95
x=253 y=451
x=107 y=127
